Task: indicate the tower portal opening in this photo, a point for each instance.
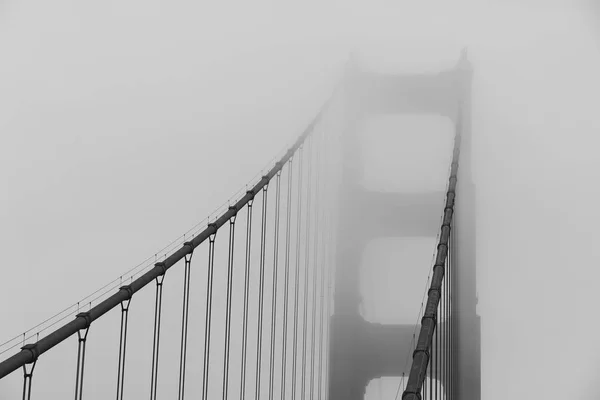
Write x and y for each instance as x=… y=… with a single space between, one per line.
x=405 y=153
x=393 y=278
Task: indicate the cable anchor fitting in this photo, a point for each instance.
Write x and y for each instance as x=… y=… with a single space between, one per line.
x=235 y=211
x=129 y=290
x=35 y=353
x=88 y=321
x=188 y=256
x=213 y=235
x=162 y=269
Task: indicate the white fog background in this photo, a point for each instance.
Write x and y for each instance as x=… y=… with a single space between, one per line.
x=124 y=123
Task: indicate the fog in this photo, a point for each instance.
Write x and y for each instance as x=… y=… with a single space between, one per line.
x=126 y=123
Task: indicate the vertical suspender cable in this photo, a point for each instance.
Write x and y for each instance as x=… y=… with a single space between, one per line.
x=437 y=357
x=333 y=240
x=431 y=370
x=27 y=377
x=443 y=340
x=322 y=327
x=456 y=376
x=274 y=293
x=156 y=338
x=425 y=390
x=306 y=270
x=184 y=320
x=450 y=316
x=449 y=277
x=320 y=374
x=315 y=269
x=297 y=274
x=448 y=330
x=123 y=344
x=451 y=294
x=208 y=314
x=440 y=326
x=445 y=331
x=287 y=281
x=82 y=338
x=449 y=325
x=261 y=290
x=329 y=300
x=452 y=320
x=28 y=371
x=327 y=322
x=439 y=329
x=228 y=305
x=322 y=296
x=246 y=300
x=326 y=246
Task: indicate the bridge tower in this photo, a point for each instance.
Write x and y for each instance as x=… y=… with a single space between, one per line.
x=361 y=351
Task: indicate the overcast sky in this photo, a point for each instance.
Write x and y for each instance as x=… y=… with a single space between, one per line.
x=125 y=123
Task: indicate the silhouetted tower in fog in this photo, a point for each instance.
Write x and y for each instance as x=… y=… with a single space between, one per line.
x=361 y=351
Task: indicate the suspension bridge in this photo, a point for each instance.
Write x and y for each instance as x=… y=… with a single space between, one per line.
x=277 y=278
